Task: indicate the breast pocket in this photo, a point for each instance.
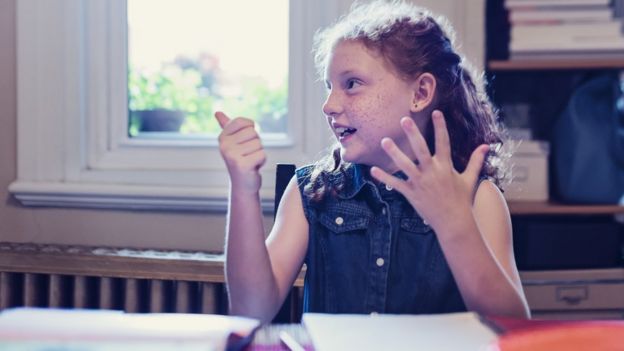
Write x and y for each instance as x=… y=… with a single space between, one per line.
x=344 y=223
x=415 y=225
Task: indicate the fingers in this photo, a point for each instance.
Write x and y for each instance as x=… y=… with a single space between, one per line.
x=249 y=147
x=232 y=126
x=381 y=175
x=442 y=143
x=253 y=161
x=473 y=169
x=417 y=141
x=239 y=141
x=399 y=157
x=245 y=134
x=222 y=119
x=258 y=158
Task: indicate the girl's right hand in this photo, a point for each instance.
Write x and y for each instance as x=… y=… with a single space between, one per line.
x=242 y=151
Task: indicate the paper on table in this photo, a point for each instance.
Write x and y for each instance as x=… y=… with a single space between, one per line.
x=440 y=332
x=32 y=324
x=76 y=345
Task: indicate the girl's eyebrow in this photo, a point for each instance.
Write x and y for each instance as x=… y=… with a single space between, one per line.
x=346 y=73
x=341 y=75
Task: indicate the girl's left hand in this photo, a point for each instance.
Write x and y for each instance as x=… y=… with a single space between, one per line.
x=433 y=187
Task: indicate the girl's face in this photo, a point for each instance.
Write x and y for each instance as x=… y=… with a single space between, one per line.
x=365 y=103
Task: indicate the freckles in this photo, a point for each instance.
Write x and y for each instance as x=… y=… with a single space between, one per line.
x=371 y=112
x=377 y=110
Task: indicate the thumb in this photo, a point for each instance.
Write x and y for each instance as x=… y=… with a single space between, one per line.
x=476 y=162
x=222 y=118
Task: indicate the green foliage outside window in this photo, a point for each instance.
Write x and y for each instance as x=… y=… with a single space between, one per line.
x=184 y=86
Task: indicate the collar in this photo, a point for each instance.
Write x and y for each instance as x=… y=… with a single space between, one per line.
x=357 y=176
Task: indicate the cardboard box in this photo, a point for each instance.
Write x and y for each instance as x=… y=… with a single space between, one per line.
x=529 y=171
x=575 y=294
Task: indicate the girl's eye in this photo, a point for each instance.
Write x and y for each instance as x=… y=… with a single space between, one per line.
x=352 y=83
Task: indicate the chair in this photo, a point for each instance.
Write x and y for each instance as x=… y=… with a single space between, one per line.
x=289 y=312
x=283 y=173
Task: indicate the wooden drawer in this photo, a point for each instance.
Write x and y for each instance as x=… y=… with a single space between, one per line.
x=597 y=290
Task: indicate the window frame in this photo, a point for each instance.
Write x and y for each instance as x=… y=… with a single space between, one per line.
x=73 y=145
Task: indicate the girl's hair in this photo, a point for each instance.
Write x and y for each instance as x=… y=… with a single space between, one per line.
x=413 y=41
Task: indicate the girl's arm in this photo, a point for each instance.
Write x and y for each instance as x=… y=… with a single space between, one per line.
x=478 y=247
x=473 y=229
x=258 y=276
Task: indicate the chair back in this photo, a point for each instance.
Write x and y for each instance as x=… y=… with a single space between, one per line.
x=283 y=174
x=289 y=312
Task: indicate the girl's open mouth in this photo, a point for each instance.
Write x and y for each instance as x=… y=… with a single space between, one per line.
x=344 y=132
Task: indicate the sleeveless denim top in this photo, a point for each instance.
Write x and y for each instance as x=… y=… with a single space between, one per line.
x=369 y=251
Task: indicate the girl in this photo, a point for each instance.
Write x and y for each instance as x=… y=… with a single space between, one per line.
x=405 y=215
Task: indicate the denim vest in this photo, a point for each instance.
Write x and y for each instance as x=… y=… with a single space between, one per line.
x=369 y=251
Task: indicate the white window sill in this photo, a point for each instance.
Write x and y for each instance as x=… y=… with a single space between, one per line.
x=131 y=197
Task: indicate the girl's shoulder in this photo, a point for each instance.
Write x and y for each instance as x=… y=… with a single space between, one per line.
x=305 y=171
x=310 y=173
x=488 y=194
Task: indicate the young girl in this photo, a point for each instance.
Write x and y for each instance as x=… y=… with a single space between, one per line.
x=405 y=215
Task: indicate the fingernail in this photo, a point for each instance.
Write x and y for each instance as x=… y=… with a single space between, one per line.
x=407 y=122
x=486 y=149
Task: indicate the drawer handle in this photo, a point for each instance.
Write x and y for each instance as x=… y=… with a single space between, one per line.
x=572 y=295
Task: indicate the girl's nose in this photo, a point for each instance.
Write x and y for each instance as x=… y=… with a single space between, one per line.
x=332 y=107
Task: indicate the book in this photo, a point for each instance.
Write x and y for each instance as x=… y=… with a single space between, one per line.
x=547 y=335
x=573 y=45
x=95 y=330
x=618 y=8
x=554 y=4
x=570 y=30
x=441 y=332
x=561 y=16
x=571 y=56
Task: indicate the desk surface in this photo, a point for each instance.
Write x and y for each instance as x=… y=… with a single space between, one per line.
x=267 y=338
x=534 y=335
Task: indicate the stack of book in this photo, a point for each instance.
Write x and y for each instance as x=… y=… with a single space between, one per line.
x=561 y=29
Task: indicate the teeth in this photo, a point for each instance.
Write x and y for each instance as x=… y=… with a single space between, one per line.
x=342 y=131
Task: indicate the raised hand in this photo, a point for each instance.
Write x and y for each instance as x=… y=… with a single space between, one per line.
x=433 y=187
x=242 y=151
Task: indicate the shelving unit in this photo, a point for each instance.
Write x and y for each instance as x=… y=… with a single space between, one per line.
x=518 y=208
x=551 y=64
x=570 y=256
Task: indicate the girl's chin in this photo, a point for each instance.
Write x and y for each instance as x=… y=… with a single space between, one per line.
x=346 y=156
x=380 y=161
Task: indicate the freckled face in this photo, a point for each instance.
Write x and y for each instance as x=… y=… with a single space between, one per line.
x=365 y=103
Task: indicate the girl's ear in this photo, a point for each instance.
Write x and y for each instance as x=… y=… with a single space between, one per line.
x=424 y=92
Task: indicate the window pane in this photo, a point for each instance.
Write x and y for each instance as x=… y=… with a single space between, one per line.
x=189 y=58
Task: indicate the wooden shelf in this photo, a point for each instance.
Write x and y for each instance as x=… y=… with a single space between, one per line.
x=550 y=208
x=556 y=64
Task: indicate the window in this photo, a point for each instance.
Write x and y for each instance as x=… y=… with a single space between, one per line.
x=188 y=59
x=74 y=145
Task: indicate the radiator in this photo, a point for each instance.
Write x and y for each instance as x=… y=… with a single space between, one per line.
x=104 y=278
